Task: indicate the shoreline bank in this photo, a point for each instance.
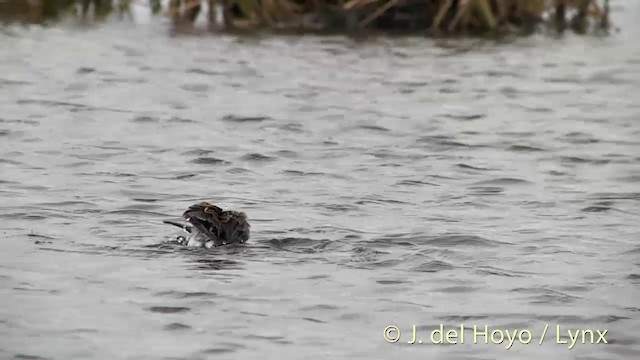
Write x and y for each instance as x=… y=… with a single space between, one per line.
x=442 y=18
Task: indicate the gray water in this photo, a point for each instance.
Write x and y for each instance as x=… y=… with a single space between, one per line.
x=392 y=182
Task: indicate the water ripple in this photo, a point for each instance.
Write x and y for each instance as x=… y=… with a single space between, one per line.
x=378 y=191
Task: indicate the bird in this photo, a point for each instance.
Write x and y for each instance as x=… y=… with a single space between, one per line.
x=212 y=226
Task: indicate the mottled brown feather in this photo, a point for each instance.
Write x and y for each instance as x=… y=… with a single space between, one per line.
x=221 y=226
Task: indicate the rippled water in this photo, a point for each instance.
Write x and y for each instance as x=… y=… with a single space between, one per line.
x=388 y=182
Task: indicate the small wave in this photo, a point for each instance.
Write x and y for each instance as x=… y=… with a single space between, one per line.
x=168 y=309
x=373 y=128
x=502 y=181
x=460 y=289
x=73 y=107
x=207 y=160
x=524 y=148
x=217 y=351
x=292 y=127
x=444 y=141
x=464 y=117
x=546 y=296
x=135 y=212
x=288 y=154
x=303 y=245
x=197 y=152
x=301 y=173
x=489 y=270
x=5 y=82
x=416 y=183
x=9 y=161
x=198 y=88
x=322 y=307
x=486 y=190
x=28 y=357
x=186 y=294
x=239 y=170
x=123 y=80
x=582 y=160
x=176 y=327
x=634 y=277
x=391 y=282
x=257 y=157
x=338 y=207
x=578 y=138
x=314 y=320
x=433 y=266
x=27 y=216
x=207 y=264
x=199 y=71
x=370 y=200
x=145 y=200
x=617 y=196
x=180 y=120
x=243 y=119
x=596 y=208
x=184 y=176
x=85 y=70
x=465 y=166
x=68 y=203
x=19 y=121
x=463 y=240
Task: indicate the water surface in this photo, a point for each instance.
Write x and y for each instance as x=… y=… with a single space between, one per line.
x=388 y=182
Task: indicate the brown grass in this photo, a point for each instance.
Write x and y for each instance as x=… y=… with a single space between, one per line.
x=432 y=16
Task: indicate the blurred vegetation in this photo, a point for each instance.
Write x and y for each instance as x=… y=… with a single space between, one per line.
x=42 y=11
x=433 y=16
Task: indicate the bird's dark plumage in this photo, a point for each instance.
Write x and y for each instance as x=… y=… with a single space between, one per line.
x=213 y=224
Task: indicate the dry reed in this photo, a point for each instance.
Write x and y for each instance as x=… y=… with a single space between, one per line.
x=430 y=16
